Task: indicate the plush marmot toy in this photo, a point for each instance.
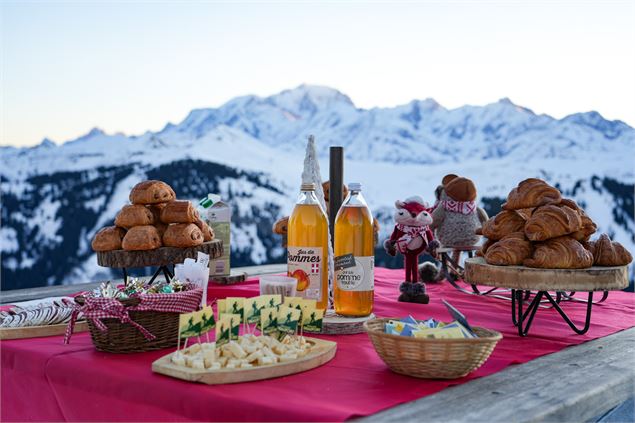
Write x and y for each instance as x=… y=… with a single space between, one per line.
x=456 y=216
x=411 y=237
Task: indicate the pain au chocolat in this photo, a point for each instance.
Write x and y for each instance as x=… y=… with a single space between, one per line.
x=151 y=192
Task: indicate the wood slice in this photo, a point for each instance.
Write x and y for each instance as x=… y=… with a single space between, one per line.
x=40 y=331
x=334 y=324
x=461 y=248
x=234 y=277
x=322 y=352
x=160 y=257
x=479 y=272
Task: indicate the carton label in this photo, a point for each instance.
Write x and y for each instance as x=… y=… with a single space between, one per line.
x=305 y=264
x=360 y=277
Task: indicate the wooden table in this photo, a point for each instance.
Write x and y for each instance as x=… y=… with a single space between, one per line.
x=580 y=383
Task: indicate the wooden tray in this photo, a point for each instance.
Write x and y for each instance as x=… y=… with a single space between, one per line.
x=479 y=272
x=234 y=277
x=321 y=353
x=39 y=331
x=159 y=257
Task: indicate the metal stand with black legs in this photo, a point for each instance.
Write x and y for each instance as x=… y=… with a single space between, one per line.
x=169 y=274
x=522 y=320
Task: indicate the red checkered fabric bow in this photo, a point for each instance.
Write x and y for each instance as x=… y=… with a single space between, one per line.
x=99 y=308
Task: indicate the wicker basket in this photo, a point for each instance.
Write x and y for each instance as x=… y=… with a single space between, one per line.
x=125 y=338
x=431 y=358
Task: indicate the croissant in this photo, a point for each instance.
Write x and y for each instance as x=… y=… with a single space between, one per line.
x=281 y=226
x=560 y=253
x=179 y=212
x=488 y=243
x=551 y=222
x=588 y=226
x=609 y=253
x=526 y=213
x=134 y=215
x=504 y=223
x=509 y=251
x=532 y=192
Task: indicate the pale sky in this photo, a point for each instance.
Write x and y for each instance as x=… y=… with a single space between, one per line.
x=133 y=66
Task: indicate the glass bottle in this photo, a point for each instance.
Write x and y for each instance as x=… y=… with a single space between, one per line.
x=307 y=247
x=354 y=284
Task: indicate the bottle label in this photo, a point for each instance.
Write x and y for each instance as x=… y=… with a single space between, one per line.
x=360 y=277
x=305 y=264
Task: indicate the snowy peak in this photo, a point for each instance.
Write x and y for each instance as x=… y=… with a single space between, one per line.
x=46 y=143
x=309 y=99
x=93 y=133
x=610 y=128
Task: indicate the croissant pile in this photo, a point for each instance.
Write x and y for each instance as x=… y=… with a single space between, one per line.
x=539 y=228
x=155 y=218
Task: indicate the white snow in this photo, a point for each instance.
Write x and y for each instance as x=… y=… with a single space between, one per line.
x=8 y=240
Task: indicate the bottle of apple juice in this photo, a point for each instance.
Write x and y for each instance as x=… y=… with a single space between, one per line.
x=354 y=256
x=307 y=247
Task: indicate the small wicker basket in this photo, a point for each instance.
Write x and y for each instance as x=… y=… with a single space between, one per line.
x=431 y=358
x=125 y=338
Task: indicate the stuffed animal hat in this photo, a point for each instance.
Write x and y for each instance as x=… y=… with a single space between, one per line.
x=448 y=178
x=461 y=189
x=414 y=204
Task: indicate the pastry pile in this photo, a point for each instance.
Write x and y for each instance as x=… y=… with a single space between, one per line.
x=154 y=219
x=539 y=228
x=247 y=352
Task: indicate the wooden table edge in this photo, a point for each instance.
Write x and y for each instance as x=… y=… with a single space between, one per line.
x=579 y=383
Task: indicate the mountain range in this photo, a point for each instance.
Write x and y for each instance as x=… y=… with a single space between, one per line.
x=250 y=150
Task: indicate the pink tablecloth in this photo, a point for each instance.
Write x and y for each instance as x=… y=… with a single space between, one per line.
x=42 y=379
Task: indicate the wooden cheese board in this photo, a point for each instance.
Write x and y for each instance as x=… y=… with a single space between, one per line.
x=39 y=331
x=160 y=257
x=321 y=352
x=478 y=271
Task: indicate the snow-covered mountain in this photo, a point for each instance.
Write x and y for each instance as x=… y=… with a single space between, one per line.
x=56 y=196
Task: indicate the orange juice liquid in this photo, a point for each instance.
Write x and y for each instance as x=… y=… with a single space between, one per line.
x=307 y=252
x=353 y=288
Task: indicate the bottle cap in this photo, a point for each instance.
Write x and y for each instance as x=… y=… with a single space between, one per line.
x=307 y=187
x=355 y=186
x=205 y=203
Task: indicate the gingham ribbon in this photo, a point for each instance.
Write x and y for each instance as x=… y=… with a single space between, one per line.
x=95 y=309
x=463 y=207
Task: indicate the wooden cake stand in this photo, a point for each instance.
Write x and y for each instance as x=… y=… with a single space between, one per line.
x=523 y=280
x=161 y=257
